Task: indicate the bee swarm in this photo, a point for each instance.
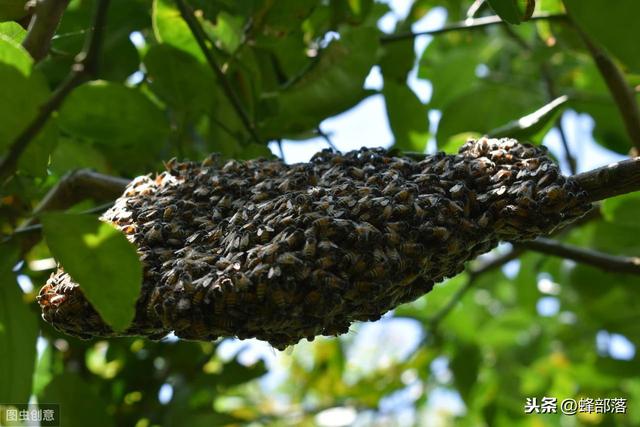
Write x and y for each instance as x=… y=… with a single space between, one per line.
x=283 y=252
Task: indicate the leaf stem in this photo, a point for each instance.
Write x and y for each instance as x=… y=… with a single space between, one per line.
x=201 y=37
x=85 y=67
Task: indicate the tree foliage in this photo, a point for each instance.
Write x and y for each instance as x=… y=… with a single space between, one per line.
x=274 y=70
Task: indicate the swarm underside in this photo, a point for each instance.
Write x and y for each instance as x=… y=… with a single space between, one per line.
x=283 y=252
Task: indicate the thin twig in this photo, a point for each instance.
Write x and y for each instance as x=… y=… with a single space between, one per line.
x=611 y=180
x=44 y=23
x=281 y=148
x=201 y=37
x=607 y=262
x=326 y=138
x=85 y=67
x=468 y=24
x=622 y=93
x=552 y=93
x=473 y=275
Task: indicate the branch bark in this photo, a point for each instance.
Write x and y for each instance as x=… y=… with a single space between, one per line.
x=607 y=262
x=74 y=187
x=85 y=67
x=44 y=23
x=611 y=180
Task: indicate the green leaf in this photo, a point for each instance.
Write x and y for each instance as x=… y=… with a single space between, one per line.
x=513 y=327
x=397 y=60
x=12 y=9
x=170 y=28
x=80 y=405
x=69 y=155
x=11 y=53
x=485 y=108
x=112 y=114
x=20 y=99
x=451 y=76
x=35 y=159
x=18 y=334
x=408 y=117
x=508 y=10
x=613 y=24
x=531 y=124
x=228 y=30
x=235 y=373
x=465 y=366
x=179 y=79
x=43 y=374
x=13 y=31
x=101 y=260
x=334 y=84
x=622 y=210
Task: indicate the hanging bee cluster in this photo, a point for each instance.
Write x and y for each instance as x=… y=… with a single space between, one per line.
x=283 y=252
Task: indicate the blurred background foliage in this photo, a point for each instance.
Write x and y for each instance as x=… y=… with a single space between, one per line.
x=538 y=326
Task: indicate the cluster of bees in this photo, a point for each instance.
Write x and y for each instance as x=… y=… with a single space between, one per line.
x=284 y=252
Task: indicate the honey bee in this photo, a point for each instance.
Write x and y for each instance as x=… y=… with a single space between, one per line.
x=274 y=271
x=322 y=224
x=365 y=232
x=378 y=271
x=210 y=161
x=326 y=262
x=242 y=282
x=441 y=233
x=294 y=239
x=325 y=278
x=261 y=289
x=484 y=220
x=270 y=251
x=171 y=277
x=230 y=298
x=198 y=331
x=387 y=212
x=280 y=297
x=309 y=249
x=154 y=235
x=552 y=193
x=411 y=249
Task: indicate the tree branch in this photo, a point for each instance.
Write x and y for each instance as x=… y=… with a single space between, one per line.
x=611 y=180
x=44 y=23
x=607 y=262
x=201 y=37
x=74 y=187
x=85 y=67
x=468 y=24
x=622 y=93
